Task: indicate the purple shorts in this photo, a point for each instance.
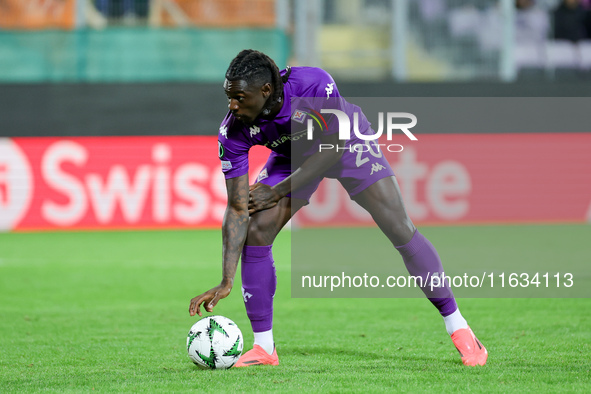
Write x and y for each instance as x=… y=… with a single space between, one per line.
x=356 y=171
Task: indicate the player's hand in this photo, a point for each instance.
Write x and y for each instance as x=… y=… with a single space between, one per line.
x=209 y=299
x=261 y=197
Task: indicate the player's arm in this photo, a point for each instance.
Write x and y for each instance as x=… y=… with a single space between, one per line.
x=313 y=167
x=265 y=197
x=235 y=226
x=234 y=229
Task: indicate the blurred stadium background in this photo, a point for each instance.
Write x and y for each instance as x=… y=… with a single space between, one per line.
x=368 y=40
x=109 y=114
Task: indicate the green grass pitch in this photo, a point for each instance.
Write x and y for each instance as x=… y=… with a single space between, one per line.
x=107 y=311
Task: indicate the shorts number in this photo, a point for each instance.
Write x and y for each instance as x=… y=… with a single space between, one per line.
x=360 y=149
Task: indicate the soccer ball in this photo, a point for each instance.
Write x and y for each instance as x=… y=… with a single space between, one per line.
x=214 y=342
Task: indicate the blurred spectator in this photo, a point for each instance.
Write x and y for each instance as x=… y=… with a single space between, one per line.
x=127 y=10
x=569 y=21
x=586 y=4
x=531 y=23
x=432 y=10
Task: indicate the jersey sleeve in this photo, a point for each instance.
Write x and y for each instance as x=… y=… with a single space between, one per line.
x=325 y=86
x=232 y=149
x=323 y=93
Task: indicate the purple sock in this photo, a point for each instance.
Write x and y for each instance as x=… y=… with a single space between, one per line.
x=421 y=259
x=258 y=285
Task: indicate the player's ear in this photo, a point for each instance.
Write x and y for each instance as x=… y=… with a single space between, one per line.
x=266 y=89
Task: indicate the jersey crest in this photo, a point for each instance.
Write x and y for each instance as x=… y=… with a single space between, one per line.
x=299 y=116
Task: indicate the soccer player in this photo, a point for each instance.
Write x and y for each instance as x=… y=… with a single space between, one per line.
x=261 y=113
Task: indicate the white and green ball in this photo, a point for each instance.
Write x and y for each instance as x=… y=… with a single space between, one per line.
x=215 y=342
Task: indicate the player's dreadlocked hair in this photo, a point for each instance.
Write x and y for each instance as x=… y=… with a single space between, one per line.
x=255 y=67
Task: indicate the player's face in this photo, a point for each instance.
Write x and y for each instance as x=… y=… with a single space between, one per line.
x=246 y=102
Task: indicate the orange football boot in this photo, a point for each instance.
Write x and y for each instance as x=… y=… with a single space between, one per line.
x=472 y=351
x=257 y=356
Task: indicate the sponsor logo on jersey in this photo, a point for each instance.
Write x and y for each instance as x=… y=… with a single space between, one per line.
x=329 y=88
x=254 y=130
x=286 y=137
x=375 y=167
x=224 y=131
x=220 y=150
x=226 y=165
x=299 y=116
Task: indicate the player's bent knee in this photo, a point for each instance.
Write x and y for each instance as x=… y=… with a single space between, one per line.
x=400 y=232
x=260 y=233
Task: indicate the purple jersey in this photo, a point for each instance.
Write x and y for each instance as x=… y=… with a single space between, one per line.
x=318 y=90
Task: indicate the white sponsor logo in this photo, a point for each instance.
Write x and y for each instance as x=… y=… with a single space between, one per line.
x=226 y=165
x=440 y=189
x=123 y=190
x=254 y=130
x=246 y=295
x=447 y=186
x=16 y=184
x=224 y=131
x=263 y=175
x=375 y=167
x=329 y=88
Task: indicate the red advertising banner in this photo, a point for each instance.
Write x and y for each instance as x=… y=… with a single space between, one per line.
x=165 y=182
x=112 y=182
x=478 y=178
